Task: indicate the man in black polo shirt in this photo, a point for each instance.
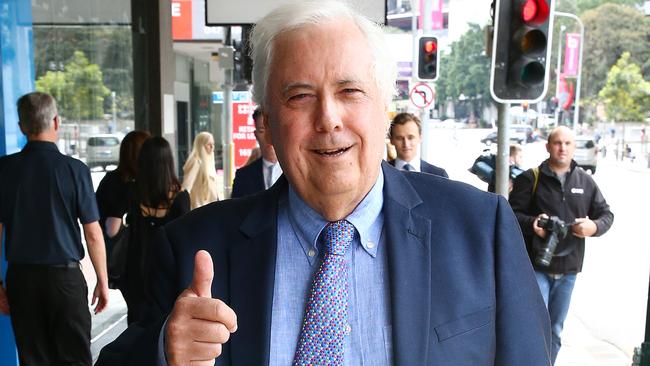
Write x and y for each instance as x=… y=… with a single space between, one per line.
x=43 y=196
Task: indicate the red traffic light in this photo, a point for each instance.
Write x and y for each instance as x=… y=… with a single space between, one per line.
x=535 y=11
x=427 y=62
x=430 y=46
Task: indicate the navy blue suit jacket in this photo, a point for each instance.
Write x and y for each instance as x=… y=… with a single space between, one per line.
x=248 y=179
x=461 y=285
x=428 y=168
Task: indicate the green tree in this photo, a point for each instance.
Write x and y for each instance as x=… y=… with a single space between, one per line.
x=611 y=30
x=466 y=70
x=117 y=68
x=79 y=89
x=626 y=94
x=109 y=47
x=54 y=82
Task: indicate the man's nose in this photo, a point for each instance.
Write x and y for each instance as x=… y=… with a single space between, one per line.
x=328 y=117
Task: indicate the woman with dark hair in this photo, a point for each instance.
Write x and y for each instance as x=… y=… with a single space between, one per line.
x=112 y=193
x=158 y=199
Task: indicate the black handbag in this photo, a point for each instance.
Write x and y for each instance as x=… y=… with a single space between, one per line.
x=117 y=253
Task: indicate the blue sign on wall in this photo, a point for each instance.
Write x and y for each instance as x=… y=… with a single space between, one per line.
x=237 y=97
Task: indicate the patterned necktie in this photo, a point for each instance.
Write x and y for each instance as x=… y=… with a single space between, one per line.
x=408 y=167
x=323 y=329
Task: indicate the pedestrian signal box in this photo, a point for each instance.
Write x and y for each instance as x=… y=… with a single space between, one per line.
x=427 y=58
x=521 y=50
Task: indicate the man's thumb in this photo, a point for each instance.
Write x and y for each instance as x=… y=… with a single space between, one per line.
x=203 y=274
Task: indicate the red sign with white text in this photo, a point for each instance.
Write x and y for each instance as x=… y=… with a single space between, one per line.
x=243 y=127
x=571 y=54
x=181 y=19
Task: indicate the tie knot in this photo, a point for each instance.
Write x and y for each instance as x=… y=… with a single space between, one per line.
x=408 y=167
x=338 y=236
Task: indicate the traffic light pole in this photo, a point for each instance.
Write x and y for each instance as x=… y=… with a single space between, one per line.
x=503 y=150
x=557 y=75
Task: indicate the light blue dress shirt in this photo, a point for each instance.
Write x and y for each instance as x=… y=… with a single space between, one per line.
x=298 y=257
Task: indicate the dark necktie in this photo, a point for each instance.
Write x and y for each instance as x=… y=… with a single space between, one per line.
x=408 y=167
x=323 y=330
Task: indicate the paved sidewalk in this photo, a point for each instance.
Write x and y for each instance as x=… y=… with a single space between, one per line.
x=581 y=348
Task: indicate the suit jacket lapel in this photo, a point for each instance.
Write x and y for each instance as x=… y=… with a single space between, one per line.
x=259 y=176
x=409 y=262
x=252 y=276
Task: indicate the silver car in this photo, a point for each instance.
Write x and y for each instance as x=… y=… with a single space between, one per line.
x=102 y=150
x=586 y=154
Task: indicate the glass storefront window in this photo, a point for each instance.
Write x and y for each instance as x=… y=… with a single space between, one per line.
x=83 y=57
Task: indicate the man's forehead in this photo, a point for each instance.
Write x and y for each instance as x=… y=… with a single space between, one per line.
x=299 y=59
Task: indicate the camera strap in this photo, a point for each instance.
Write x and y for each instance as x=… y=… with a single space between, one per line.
x=572 y=244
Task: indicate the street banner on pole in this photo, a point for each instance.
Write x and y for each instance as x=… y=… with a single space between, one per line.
x=571 y=55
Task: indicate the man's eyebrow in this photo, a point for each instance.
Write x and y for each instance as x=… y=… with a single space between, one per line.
x=344 y=82
x=299 y=85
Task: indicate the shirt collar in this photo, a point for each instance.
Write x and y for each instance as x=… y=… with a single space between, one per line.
x=40 y=145
x=268 y=163
x=415 y=163
x=367 y=219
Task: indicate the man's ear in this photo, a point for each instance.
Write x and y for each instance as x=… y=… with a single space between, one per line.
x=56 y=121
x=22 y=128
x=267 y=128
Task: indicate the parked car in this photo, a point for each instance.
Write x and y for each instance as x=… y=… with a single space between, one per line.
x=586 y=154
x=102 y=150
x=519 y=134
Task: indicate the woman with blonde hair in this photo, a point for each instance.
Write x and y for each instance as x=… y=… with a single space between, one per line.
x=199 y=173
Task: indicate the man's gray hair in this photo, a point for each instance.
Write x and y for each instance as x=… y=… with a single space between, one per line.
x=36 y=111
x=300 y=14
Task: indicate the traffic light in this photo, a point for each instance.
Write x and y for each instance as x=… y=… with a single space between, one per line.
x=428 y=58
x=522 y=50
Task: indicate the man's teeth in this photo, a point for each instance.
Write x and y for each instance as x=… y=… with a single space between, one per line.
x=332 y=152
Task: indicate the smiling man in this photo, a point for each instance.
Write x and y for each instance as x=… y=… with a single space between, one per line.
x=345 y=260
x=406 y=135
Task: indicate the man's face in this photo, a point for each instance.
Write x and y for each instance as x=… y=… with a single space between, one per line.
x=267 y=150
x=325 y=115
x=406 y=139
x=561 y=147
x=518 y=158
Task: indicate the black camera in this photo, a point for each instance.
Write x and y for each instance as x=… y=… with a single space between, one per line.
x=556 y=230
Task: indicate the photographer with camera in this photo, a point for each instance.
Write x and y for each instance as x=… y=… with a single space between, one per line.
x=558 y=205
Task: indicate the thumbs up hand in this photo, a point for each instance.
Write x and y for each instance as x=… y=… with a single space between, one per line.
x=198 y=325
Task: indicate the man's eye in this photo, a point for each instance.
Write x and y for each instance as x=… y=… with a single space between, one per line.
x=299 y=97
x=351 y=91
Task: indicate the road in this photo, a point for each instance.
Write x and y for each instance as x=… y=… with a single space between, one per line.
x=607 y=315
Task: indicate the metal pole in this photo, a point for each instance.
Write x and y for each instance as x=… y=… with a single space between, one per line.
x=503 y=149
x=426 y=17
x=114 y=108
x=426 y=28
x=557 y=75
x=228 y=149
x=576 y=113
